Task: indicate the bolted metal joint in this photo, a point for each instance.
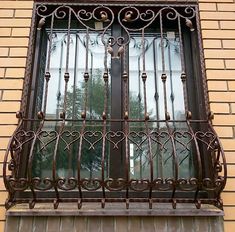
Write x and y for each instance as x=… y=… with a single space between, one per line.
x=188 y=115
x=126 y=116
x=83 y=115
x=19 y=114
x=163 y=77
x=125 y=76
x=183 y=76
x=105 y=76
x=66 y=77
x=62 y=115
x=104 y=117
x=40 y=115
x=47 y=76
x=146 y=117
x=210 y=115
x=144 y=76
x=86 y=76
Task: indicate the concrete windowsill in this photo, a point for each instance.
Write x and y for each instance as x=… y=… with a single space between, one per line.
x=114 y=209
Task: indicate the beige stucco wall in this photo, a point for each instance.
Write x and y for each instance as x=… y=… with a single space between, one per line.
x=218 y=32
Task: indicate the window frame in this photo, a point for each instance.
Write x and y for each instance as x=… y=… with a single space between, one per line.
x=198 y=68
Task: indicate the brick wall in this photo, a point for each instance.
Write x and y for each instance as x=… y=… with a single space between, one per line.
x=15 y=19
x=218 y=32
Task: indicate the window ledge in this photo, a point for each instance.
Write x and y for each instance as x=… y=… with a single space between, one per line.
x=114 y=209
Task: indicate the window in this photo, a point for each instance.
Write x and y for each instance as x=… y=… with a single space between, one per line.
x=114 y=109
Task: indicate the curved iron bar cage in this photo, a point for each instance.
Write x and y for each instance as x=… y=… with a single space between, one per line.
x=197 y=135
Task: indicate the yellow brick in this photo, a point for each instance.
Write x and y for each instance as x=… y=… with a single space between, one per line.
x=230 y=185
x=5 y=31
x=224 y=120
x=228 y=43
x=11 y=84
x=226 y=7
x=230 y=157
x=6 y=13
x=3 y=145
x=217 y=15
x=207 y=6
x=229 y=213
x=220 y=107
x=221 y=74
x=2 y=186
x=224 y=132
x=12 y=62
x=20 y=52
x=16 y=4
x=3 y=197
x=2 y=226
x=229 y=226
x=2 y=213
x=11 y=95
x=219 y=53
x=218 y=34
x=228 y=198
x=15 y=72
x=20 y=32
x=16 y=42
x=230 y=64
x=15 y=23
x=4 y=52
x=227 y=25
x=209 y=43
x=222 y=96
x=2 y=72
x=229 y=144
x=7 y=130
x=9 y=107
x=217 y=85
x=231 y=85
x=233 y=107
x=23 y=13
x=8 y=118
x=214 y=64
x=209 y=25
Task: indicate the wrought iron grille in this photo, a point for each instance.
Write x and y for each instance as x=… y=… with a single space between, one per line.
x=113 y=111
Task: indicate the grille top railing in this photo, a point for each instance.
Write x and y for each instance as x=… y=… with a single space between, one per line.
x=136 y=140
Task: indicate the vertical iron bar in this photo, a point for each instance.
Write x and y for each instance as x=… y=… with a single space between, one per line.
x=60 y=77
x=146 y=118
x=155 y=63
x=167 y=116
x=104 y=116
x=183 y=75
x=75 y=78
x=47 y=74
x=172 y=96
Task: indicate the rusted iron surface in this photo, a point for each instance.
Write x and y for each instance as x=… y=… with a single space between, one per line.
x=161 y=144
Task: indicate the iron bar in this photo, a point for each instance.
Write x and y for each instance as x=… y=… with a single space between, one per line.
x=111 y=135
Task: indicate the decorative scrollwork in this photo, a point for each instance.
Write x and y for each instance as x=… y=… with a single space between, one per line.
x=139 y=185
x=115 y=184
x=91 y=184
x=67 y=184
x=20 y=184
x=42 y=184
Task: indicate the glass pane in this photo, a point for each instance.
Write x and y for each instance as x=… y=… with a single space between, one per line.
x=67 y=152
x=170 y=143
x=154 y=86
